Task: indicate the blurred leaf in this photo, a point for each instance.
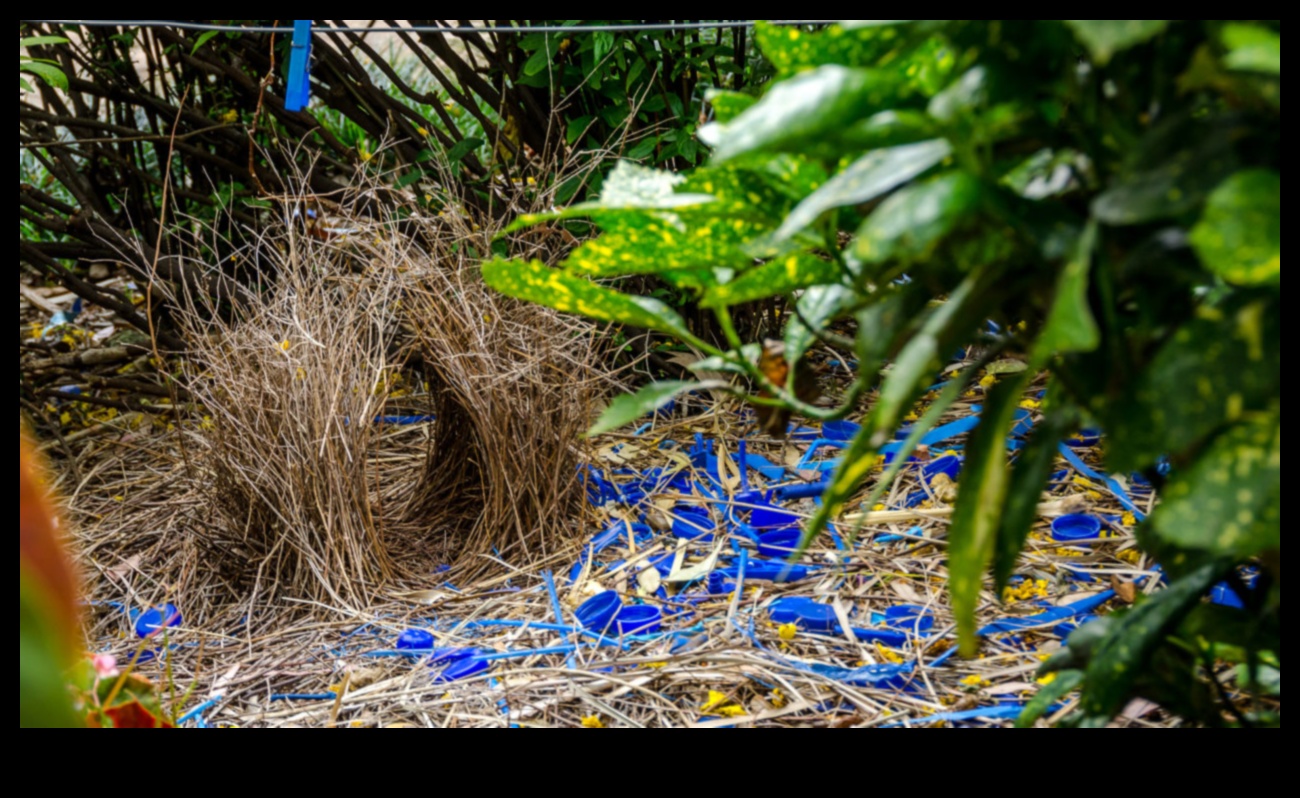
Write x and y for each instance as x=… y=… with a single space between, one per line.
x=1047 y=695
x=463 y=147
x=1105 y=37
x=727 y=105
x=807 y=106
x=1028 y=479
x=1121 y=657
x=870 y=176
x=819 y=305
x=1222 y=363
x=781 y=276
x=1253 y=48
x=537 y=282
x=973 y=534
x=910 y=222
x=653 y=246
x=43 y=697
x=1070 y=326
x=1228 y=502
x=204 y=37
x=964 y=94
x=1239 y=235
x=629 y=407
x=1176 y=186
x=37 y=41
x=50 y=74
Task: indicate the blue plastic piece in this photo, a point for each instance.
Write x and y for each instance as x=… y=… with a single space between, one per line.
x=1081 y=607
x=806 y=614
x=693 y=523
x=840 y=430
x=807 y=491
x=910 y=617
x=889 y=676
x=639 y=619
x=770 y=519
x=462 y=668
x=597 y=613
x=415 y=640
x=767 y=571
x=1079 y=526
x=299 y=90
x=152 y=621
x=779 y=543
x=1063 y=630
x=1085 y=438
x=949 y=464
x=1224 y=595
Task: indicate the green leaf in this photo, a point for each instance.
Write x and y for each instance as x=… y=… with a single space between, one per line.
x=727 y=105
x=802 y=108
x=655 y=246
x=1121 y=657
x=819 y=305
x=1228 y=502
x=37 y=41
x=1225 y=362
x=629 y=186
x=965 y=94
x=537 y=282
x=781 y=276
x=50 y=74
x=1046 y=696
x=1105 y=37
x=462 y=148
x=869 y=177
x=912 y=221
x=1239 y=235
x=629 y=407
x=1070 y=326
x=1177 y=185
x=1028 y=478
x=24 y=85
x=973 y=535
x=204 y=37
x=1253 y=48
x=792 y=49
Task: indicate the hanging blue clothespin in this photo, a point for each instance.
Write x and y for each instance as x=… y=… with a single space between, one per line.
x=295 y=99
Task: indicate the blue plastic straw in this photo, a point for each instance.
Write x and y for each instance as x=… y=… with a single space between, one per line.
x=194 y=713
x=1115 y=488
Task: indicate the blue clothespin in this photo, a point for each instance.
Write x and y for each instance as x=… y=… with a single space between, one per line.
x=295 y=99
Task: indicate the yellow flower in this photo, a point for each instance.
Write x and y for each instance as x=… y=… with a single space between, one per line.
x=230 y=116
x=715 y=699
x=776 y=698
x=592 y=722
x=1128 y=519
x=1030 y=404
x=988 y=381
x=731 y=711
x=422 y=131
x=1046 y=680
x=912 y=416
x=788 y=632
x=364 y=153
x=976 y=681
x=284 y=345
x=877 y=507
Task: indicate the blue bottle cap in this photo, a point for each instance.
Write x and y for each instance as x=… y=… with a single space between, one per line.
x=415 y=640
x=1079 y=526
x=805 y=613
x=692 y=522
x=154 y=620
x=639 y=619
x=462 y=668
x=780 y=543
x=597 y=613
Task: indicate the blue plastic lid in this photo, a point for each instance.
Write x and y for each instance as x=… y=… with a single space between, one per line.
x=805 y=613
x=770 y=519
x=415 y=640
x=1223 y=594
x=152 y=621
x=840 y=430
x=597 y=613
x=692 y=522
x=949 y=464
x=909 y=617
x=780 y=543
x=462 y=668
x=639 y=619
x=1079 y=526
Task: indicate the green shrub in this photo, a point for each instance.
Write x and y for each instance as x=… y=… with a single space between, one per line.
x=1107 y=191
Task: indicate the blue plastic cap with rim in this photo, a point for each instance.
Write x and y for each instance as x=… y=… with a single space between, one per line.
x=597 y=613
x=415 y=640
x=154 y=620
x=639 y=619
x=1078 y=526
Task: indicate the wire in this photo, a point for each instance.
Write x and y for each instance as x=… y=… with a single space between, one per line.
x=455 y=31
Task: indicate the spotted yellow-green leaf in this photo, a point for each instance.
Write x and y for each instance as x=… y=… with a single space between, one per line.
x=792 y=49
x=759 y=187
x=657 y=245
x=727 y=105
x=1160 y=185
x=973 y=534
x=1070 y=326
x=629 y=407
x=537 y=282
x=1225 y=362
x=871 y=176
x=1105 y=37
x=1047 y=695
x=1239 y=235
x=1227 y=503
x=818 y=305
x=804 y=107
x=913 y=220
x=781 y=276
x=1122 y=655
x=629 y=187
x=1253 y=48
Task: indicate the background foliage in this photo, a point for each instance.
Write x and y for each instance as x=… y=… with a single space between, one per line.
x=1107 y=192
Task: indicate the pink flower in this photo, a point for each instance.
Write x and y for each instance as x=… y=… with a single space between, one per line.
x=105 y=665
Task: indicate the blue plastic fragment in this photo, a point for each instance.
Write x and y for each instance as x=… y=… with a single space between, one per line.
x=298 y=92
x=1082 y=607
x=840 y=430
x=154 y=620
x=949 y=465
x=1078 y=526
x=806 y=614
x=462 y=668
x=597 y=612
x=693 y=523
x=1063 y=630
x=805 y=491
x=1086 y=437
x=880 y=676
x=779 y=543
x=996 y=712
x=767 y=571
x=910 y=617
x=415 y=640
x=770 y=519
x=639 y=619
